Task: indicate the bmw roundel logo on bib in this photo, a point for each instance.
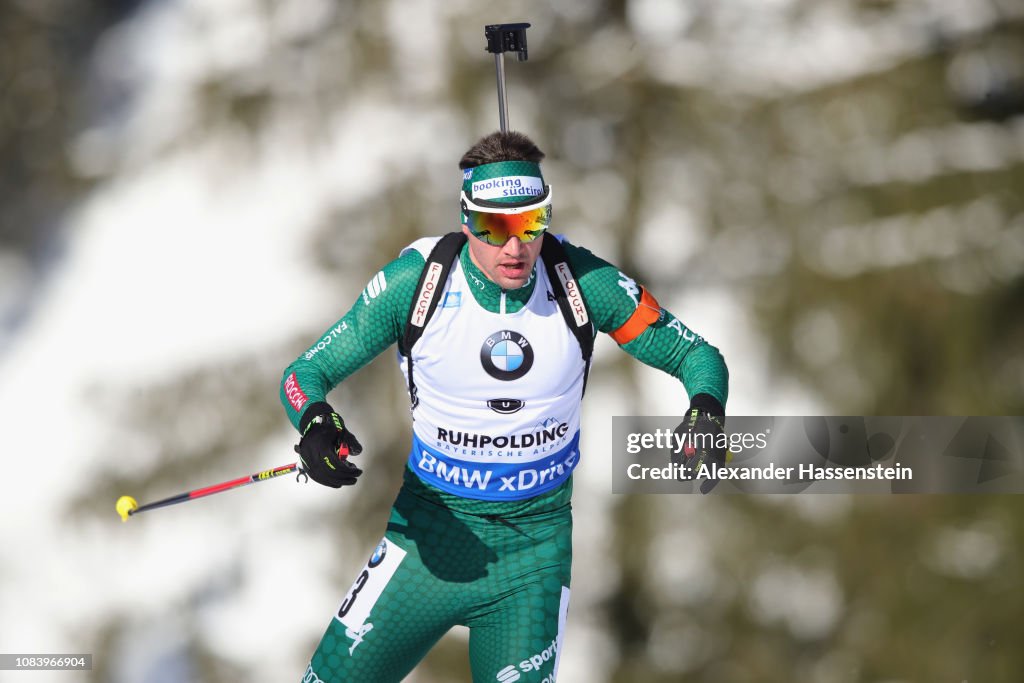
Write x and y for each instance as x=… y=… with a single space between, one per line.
x=506 y=355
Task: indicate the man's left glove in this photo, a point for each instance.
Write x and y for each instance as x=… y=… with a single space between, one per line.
x=703 y=443
x=326 y=445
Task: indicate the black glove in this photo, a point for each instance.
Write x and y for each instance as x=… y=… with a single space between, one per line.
x=326 y=445
x=703 y=445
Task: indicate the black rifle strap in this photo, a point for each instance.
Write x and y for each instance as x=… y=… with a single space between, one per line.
x=569 y=297
x=432 y=282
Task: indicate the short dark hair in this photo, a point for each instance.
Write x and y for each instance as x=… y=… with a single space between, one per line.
x=501 y=146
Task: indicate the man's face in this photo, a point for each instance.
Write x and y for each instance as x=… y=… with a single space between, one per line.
x=510 y=265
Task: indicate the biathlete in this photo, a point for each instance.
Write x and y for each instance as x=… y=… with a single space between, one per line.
x=494 y=326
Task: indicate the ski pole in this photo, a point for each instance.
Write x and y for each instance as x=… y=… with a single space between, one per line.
x=502 y=38
x=127 y=506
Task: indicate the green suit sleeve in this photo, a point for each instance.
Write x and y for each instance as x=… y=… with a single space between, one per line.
x=373 y=323
x=667 y=344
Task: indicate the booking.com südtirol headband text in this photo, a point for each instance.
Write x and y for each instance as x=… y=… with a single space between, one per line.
x=822 y=454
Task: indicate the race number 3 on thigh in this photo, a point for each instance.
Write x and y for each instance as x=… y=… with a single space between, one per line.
x=369 y=584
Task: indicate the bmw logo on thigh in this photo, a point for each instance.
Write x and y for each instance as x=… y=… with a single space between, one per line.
x=506 y=355
x=378 y=554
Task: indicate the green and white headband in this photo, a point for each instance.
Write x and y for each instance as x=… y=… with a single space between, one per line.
x=504 y=182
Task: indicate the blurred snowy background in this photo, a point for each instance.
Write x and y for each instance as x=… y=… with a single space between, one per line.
x=830 y=191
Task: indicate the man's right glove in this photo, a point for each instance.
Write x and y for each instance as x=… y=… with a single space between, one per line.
x=326 y=445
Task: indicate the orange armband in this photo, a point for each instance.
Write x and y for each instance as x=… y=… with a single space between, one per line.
x=647 y=312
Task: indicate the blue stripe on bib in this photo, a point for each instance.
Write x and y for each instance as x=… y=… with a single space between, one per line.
x=494 y=480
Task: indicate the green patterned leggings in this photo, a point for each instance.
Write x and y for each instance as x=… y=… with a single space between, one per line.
x=506 y=579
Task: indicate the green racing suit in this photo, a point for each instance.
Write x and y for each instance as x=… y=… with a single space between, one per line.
x=454 y=556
